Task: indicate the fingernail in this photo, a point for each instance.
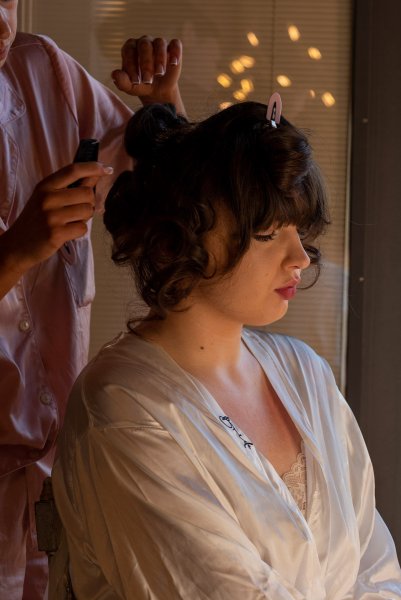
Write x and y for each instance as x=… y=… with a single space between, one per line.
x=160 y=71
x=108 y=170
x=136 y=81
x=147 y=78
x=174 y=61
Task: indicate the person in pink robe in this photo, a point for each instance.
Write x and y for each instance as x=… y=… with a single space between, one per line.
x=48 y=102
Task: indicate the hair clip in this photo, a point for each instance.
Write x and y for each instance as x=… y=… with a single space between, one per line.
x=274 y=107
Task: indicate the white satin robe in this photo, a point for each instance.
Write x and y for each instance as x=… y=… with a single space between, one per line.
x=162 y=499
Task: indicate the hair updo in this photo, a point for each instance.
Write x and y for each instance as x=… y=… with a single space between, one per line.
x=159 y=213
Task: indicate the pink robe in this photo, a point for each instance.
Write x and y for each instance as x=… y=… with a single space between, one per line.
x=47 y=103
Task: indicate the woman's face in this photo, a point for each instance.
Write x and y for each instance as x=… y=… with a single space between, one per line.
x=258 y=289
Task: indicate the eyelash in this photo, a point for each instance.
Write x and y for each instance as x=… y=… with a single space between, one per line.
x=267 y=237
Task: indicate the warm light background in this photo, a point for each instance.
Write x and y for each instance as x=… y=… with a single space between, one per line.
x=233 y=50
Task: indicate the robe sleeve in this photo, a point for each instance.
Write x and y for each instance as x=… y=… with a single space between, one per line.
x=379 y=573
x=153 y=528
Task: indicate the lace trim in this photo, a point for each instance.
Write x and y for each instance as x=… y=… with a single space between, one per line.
x=295 y=480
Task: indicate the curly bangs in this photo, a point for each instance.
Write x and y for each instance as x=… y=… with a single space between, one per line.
x=268 y=177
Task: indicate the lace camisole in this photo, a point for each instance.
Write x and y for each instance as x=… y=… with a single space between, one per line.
x=295 y=480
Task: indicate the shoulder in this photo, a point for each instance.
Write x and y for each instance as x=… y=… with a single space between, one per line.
x=290 y=352
x=37 y=60
x=35 y=53
x=24 y=41
x=126 y=358
x=115 y=387
x=30 y=46
x=299 y=366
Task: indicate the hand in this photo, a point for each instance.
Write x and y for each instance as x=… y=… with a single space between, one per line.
x=53 y=215
x=150 y=70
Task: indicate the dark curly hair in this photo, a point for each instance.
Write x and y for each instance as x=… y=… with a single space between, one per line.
x=159 y=213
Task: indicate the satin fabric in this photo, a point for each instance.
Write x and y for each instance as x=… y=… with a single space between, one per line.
x=163 y=497
x=47 y=103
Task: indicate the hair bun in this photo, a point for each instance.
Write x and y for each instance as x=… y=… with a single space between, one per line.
x=145 y=130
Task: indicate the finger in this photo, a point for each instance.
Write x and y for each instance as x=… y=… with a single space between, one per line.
x=174 y=54
x=124 y=84
x=54 y=201
x=144 y=48
x=122 y=81
x=159 y=56
x=130 y=61
x=64 y=177
x=71 y=214
x=90 y=182
x=75 y=230
x=66 y=224
x=60 y=234
x=174 y=63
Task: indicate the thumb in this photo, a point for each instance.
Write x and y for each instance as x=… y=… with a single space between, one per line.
x=122 y=80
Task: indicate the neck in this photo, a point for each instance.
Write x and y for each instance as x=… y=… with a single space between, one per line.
x=197 y=339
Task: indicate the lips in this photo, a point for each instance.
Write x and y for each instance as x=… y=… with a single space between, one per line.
x=289 y=290
x=287 y=293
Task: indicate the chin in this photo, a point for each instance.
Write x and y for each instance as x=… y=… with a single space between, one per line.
x=264 y=320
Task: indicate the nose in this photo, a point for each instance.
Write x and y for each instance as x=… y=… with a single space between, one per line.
x=5 y=29
x=297 y=256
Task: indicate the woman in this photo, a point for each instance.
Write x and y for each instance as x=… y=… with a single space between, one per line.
x=202 y=460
